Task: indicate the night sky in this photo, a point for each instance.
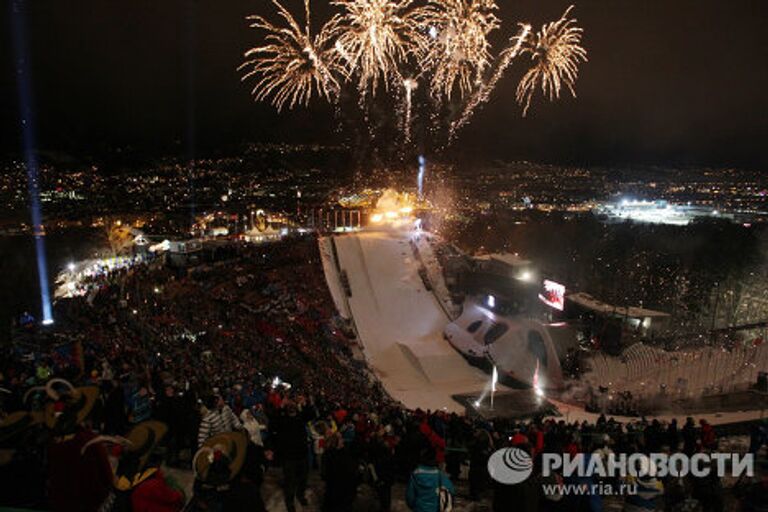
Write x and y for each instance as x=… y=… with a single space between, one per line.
x=668 y=82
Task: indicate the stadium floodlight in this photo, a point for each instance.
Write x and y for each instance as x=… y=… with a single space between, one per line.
x=525 y=275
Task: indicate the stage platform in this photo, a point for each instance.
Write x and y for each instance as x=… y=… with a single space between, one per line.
x=512 y=403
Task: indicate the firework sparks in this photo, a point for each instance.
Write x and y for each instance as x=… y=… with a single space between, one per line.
x=483 y=93
x=409 y=84
x=374 y=37
x=294 y=65
x=442 y=44
x=556 y=51
x=461 y=51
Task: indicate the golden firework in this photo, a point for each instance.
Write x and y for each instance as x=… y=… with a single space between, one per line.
x=294 y=65
x=375 y=37
x=556 y=51
x=460 y=51
x=443 y=44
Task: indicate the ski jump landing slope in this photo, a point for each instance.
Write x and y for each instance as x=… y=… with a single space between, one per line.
x=400 y=323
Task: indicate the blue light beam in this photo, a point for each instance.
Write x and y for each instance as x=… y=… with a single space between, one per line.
x=24 y=84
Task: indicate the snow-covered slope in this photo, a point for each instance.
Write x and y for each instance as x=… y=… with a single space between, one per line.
x=400 y=323
x=332 y=276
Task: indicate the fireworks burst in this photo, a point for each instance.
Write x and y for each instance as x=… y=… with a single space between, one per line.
x=483 y=93
x=293 y=65
x=461 y=50
x=441 y=43
x=556 y=50
x=375 y=37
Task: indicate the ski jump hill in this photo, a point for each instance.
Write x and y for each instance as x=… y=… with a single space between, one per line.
x=398 y=321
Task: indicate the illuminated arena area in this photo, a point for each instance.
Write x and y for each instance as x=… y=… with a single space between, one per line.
x=399 y=322
x=384 y=256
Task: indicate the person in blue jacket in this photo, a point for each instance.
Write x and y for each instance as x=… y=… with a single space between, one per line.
x=423 y=492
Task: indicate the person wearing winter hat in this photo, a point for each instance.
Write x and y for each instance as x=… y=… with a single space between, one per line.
x=428 y=488
x=77 y=481
x=139 y=483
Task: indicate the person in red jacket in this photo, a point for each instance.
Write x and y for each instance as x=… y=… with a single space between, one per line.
x=436 y=442
x=536 y=438
x=77 y=480
x=518 y=439
x=708 y=438
x=155 y=495
x=138 y=481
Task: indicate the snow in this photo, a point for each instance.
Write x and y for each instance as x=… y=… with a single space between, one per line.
x=332 y=276
x=400 y=323
x=426 y=254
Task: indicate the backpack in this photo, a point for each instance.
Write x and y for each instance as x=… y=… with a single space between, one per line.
x=444 y=496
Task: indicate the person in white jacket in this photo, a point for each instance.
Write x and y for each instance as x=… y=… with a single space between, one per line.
x=253 y=426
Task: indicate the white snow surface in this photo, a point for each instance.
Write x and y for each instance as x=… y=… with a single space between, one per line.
x=332 y=276
x=423 y=242
x=400 y=324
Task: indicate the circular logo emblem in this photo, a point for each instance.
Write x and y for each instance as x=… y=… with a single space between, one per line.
x=510 y=465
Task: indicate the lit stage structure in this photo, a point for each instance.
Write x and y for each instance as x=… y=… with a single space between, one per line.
x=24 y=85
x=522 y=350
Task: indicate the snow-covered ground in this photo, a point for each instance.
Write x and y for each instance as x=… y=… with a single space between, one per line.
x=423 y=243
x=332 y=276
x=400 y=323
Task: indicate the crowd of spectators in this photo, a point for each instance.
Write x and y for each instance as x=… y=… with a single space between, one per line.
x=248 y=342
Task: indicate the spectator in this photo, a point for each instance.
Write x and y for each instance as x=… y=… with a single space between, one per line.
x=253 y=427
x=428 y=484
x=141 y=409
x=673 y=436
x=649 y=489
x=292 y=450
x=382 y=460
x=480 y=449
x=340 y=473
x=217 y=420
x=169 y=410
x=77 y=481
x=525 y=495
x=708 y=437
x=689 y=437
x=758 y=436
